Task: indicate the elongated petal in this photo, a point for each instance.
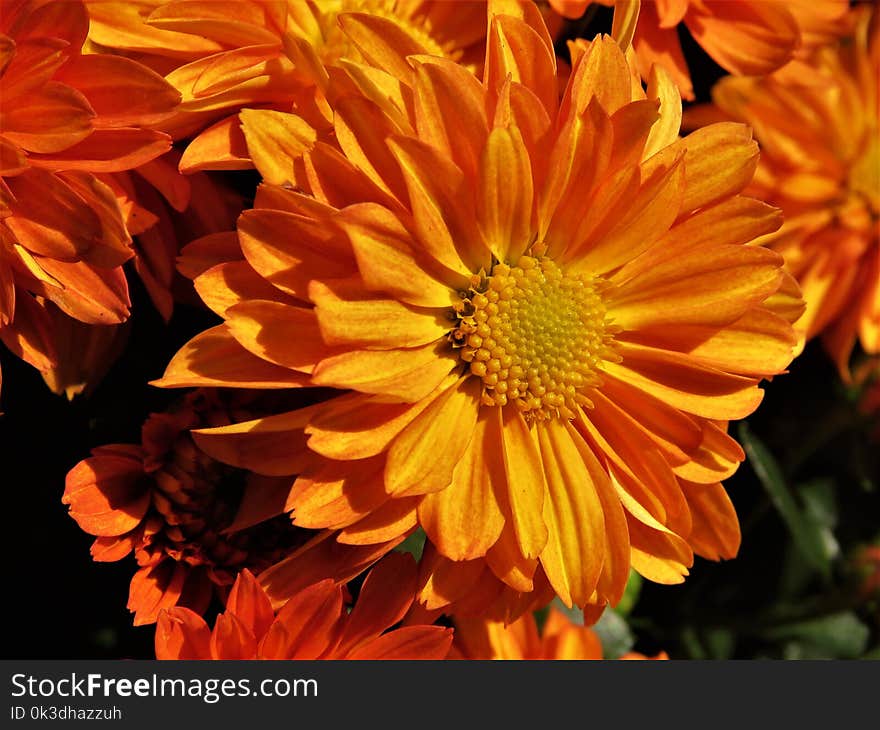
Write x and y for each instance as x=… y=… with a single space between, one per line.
x=122 y=92
x=573 y=555
x=525 y=483
x=388 y=261
x=214 y=357
x=249 y=604
x=423 y=457
x=687 y=385
x=182 y=634
x=349 y=315
x=409 y=374
x=465 y=519
x=274 y=445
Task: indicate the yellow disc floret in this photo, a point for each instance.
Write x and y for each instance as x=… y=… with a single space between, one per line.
x=535 y=335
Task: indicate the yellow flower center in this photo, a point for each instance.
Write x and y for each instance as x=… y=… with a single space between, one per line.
x=535 y=335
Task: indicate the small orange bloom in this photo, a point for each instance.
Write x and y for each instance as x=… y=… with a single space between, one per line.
x=314 y=624
x=267 y=56
x=68 y=123
x=538 y=314
x=745 y=37
x=820 y=162
x=192 y=522
x=560 y=638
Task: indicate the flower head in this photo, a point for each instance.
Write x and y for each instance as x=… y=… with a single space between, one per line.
x=263 y=56
x=540 y=313
x=313 y=624
x=193 y=523
x=69 y=122
x=820 y=140
x=745 y=37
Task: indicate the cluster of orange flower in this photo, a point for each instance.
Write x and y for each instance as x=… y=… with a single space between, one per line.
x=482 y=295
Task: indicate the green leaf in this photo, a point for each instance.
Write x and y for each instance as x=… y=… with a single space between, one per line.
x=574 y=614
x=630 y=594
x=414 y=544
x=808 y=538
x=614 y=633
x=838 y=636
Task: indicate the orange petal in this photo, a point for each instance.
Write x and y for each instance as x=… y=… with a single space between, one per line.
x=206 y=252
x=450 y=110
x=442 y=207
x=122 y=92
x=222 y=146
x=385 y=597
x=49 y=218
x=388 y=523
x=106 y=494
x=321 y=557
x=381 y=41
x=357 y=426
x=155 y=588
x=91 y=294
x=388 y=261
x=705 y=287
x=214 y=357
x=351 y=316
x=572 y=557
x=308 y=626
x=336 y=494
x=508 y=564
x=505 y=196
x=278 y=333
x=423 y=457
x=408 y=374
x=108 y=150
x=515 y=48
x=290 y=250
x=407 y=643
x=720 y=161
x=231 y=639
x=465 y=519
x=235 y=282
x=685 y=384
x=249 y=604
x=273 y=446
x=49 y=119
x=746 y=38
x=718 y=457
x=716 y=533
x=275 y=140
x=525 y=482
x=182 y=634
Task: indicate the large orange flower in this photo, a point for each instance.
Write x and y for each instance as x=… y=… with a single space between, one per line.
x=559 y=638
x=267 y=55
x=192 y=522
x=542 y=314
x=820 y=163
x=746 y=37
x=67 y=123
x=313 y=624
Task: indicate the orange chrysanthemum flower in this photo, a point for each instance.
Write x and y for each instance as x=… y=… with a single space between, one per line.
x=68 y=123
x=746 y=37
x=559 y=638
x=543 y=313
x=820 y=163
x=192 y=522
x=313 y=624
x=268 y=55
